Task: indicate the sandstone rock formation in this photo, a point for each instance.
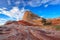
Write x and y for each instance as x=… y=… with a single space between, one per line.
x=33 y=18
x=20 y=32
x=54 y=21
x=29 y=16
x=29 y=29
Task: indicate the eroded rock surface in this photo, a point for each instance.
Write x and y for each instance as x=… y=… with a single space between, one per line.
x=20 y=32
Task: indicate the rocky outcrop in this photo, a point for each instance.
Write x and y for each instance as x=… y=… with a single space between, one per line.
x=22 y=22
x=33 y=18
x=54 y=21
x=20 y=32
x=29 y=16
x=10 y=22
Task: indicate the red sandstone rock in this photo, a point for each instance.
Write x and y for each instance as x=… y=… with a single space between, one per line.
x=56 y=21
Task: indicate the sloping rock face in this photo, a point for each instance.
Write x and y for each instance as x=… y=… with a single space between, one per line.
x=10 y=22
x=22 y=22
x=15 y=31
x=32 y=18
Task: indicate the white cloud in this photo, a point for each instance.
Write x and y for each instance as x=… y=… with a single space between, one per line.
x=41 y=16
x=14 y=13
x=2 y=21
x=46 y=5
x=4 y=8
x=51 y=2
x=0 y=12
x=9 y=2
x=17 y=2
x=45 y=1
x=34 y=3
x=55 y=2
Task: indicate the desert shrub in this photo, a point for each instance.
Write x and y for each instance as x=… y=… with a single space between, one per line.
x=57 y=27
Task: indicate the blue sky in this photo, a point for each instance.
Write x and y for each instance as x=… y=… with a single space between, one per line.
x=14 y=9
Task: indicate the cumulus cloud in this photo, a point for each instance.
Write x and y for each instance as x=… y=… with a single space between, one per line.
x=55 y=2
x=34 y=3
x=13 y=13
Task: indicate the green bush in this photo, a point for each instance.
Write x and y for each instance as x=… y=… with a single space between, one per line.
x=57 y=27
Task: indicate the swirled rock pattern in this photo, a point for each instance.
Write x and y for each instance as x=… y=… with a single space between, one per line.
x=20 y=32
